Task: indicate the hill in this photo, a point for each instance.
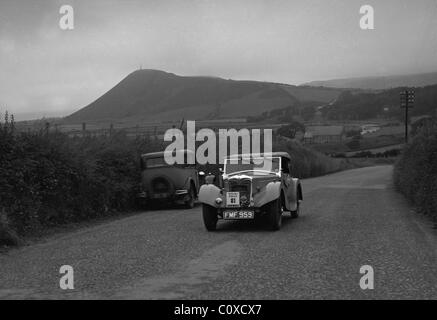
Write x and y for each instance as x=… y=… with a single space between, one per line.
x=380 y=83
x=370 y=105
x=153 y=95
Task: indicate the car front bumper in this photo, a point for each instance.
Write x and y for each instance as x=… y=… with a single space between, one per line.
x=178 y=196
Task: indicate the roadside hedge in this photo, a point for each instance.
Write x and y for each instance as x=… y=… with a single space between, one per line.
x=415 y=173
x=51 y=179
x=307 y=162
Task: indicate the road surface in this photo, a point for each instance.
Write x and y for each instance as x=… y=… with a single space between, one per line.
x=349 y=219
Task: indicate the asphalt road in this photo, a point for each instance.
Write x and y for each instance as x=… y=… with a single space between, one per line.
x=349 y=219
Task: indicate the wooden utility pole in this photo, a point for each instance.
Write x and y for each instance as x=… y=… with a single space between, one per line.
x=407 y=101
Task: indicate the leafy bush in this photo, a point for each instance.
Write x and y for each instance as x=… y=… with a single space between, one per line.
x=291 y=129
x=7 y=235
x=49 y=179
x=415 y=173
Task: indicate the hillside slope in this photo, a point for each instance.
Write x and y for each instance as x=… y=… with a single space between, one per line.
x=380 y=83
x=370 y=105
x=152 y=95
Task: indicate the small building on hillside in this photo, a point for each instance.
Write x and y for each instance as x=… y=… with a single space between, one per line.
x=323 y=134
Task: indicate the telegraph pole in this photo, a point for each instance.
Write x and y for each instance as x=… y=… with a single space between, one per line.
x=407 y=101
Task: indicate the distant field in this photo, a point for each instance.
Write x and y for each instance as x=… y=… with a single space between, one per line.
x=304 y=93
x=386 y=131
x=376 y=150
x=384 y=143
x=142 y=129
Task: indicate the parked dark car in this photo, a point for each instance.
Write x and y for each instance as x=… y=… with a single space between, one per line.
x=168 y=184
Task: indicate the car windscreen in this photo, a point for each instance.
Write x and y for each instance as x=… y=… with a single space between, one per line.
x=155 y=162
x=253 y=164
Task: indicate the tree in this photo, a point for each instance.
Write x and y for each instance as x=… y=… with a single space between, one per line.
x=291 y=129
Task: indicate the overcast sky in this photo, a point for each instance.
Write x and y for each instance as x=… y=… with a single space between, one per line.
x=45 y=71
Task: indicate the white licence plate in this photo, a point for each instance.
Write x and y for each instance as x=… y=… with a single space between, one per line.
x=232 y=199
x=238 y=214
x=160 y=195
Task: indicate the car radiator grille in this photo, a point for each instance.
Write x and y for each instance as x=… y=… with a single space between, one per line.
x=243 y=186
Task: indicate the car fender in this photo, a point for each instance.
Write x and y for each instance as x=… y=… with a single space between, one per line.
x=188 y=182
x=295 y=195
x=269 y=193
x=299 y=187
x=208 y=193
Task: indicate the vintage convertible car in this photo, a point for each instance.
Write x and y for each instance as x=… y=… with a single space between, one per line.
x=252 y=187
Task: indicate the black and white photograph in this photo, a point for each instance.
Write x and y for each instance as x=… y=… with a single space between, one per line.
x=218 y=155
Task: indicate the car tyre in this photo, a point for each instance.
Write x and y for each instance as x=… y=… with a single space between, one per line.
x=274 y=214
x=189 y=204
x=295 y=213
x=209 y=217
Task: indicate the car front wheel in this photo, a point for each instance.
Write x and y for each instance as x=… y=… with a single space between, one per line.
x=295 y=213
x=209 y=217
x=274 y=214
